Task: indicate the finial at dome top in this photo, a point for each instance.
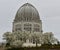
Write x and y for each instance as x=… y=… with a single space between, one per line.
x=26 y=1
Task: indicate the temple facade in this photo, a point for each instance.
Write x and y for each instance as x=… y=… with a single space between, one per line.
x=27 y=19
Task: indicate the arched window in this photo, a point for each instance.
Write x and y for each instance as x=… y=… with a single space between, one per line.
x=18 y=27
x=27 y=27
x=36 y=28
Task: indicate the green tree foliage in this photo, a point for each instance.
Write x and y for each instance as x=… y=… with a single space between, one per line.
x=37 y=38
x=48 y=38
x=8 y=37
x=16 y=39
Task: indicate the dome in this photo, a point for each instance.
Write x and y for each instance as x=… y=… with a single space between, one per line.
x=27 y=12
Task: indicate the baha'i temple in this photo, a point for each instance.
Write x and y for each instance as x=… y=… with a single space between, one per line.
x=27 y=19
x=27 y=32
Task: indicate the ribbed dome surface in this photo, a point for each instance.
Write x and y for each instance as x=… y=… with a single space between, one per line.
x=27 y=12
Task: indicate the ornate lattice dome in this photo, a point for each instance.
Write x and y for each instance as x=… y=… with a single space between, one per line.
x=27 y=12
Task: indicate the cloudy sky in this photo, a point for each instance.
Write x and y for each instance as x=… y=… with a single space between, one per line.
x=49 y=11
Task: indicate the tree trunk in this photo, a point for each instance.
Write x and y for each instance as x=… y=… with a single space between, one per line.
x=36 y=44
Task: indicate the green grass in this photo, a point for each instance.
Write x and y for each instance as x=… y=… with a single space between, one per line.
x=43 y=47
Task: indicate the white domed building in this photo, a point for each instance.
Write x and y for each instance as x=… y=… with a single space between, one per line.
x=27 y=19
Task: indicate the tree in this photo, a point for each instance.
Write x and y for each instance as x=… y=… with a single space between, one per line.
x=58 y=42
x=15 y=38
x=49 y=38
x=8 y=37
x=17 y=43
x=37 y=38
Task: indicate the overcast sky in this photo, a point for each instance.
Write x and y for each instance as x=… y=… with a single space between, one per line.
x=49 y=11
